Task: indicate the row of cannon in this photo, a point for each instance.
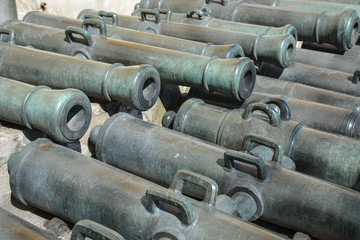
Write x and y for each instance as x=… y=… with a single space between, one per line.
x=264 y=145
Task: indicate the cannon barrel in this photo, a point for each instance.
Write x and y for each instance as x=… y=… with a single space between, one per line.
x=327 y=156
x=325 y=78
x=72 y=186
x=276 y=49
x=339 y=29
x=232 y=77
x=136 y=86
x=297 y=90
x=202 y=18
x=314 y=115
x=8 y=10
x=125 y=34
x=324 y=210
x=62 y=114
x=338 y=62
x=13 y=227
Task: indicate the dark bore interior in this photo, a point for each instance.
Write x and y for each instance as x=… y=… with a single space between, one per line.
x=289 y=52
x=354 y=34
x=149 y=89
x=248 y=78
x=76 y=118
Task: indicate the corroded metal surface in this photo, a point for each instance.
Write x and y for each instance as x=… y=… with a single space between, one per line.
x=13 y=227
x=315 y=76
x=296 y=90
x=277 y=49
x=125 y=34
x=8 y=10
x=324 y=210
x=232 y=77
x=338 y=62
x=314 y=115
x=83 y=188
x=201 y=17
x=136 y=86
x=328 y=156
x=339 y=29
x=62 y=114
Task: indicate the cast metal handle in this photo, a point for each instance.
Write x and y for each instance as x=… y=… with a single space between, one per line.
x=154 y=13
x=185 y=212
x=285 y=112
x=210 y=186
x=93 y=230
x=112 y=15
x=231 y=156
x=70 y=31
x=356 y=76
x=267 y=109
x=267 y=142
x=98 y=23
x=199 y=13
x=222 y=2
x=168 y=13
x=9 y=33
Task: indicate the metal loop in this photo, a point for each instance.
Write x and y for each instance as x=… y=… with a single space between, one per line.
x=104 y=86
x=274 y=116
x=168 y=13
x=267 y=142
x=112 y=15
x=285 y=112
x=210 y=186
x=93 y=230
x=200 y=14
x=23 y=107
x=154 y=13
x=230 y=156
x=186 y=216
x=10 y=33
x=222 y=2
x=69 y=31
x=98 y=23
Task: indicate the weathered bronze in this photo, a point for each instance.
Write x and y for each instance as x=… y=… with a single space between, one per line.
x=339 y=29
x=62 y=114
x=201 y=17
x=327 y=156
x=231 y=77
x=318 y=208
x=310 y=5
x=315 y=76
x=340 y=1
x=13 y=227
x=276 y=49
x=8 y=10
x=314 y=115
x=73 y=186
x=308 y=93
x=136 y=86
x=328 y=60
x=125 y=34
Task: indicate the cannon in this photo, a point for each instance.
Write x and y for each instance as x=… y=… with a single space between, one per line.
x=62 y=114
x=327 y=156
x=263 y=190
x=73 y=186
x=125 y=34
x=276 y=49
x=339 y=29
x=232 y=77
x=136 y=86
x=14 y=228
